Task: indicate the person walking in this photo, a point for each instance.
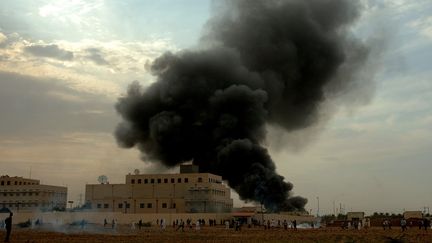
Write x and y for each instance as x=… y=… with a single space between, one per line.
x=8 y=224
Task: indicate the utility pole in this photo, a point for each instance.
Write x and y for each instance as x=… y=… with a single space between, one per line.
x=80 y=199
x=334 y=208
x=318 y=207
x=262 y=213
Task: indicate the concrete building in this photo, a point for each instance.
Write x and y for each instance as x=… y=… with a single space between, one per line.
x=186 y=192
x=413 y=215
x=22 y=194
x=355 y=216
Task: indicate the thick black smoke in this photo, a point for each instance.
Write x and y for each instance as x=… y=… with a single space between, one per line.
x=260 y=62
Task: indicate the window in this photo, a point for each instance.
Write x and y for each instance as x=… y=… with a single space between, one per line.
x=99 y=205
x=186 y=180
x=2 y=183
x=149 y=205
x=106 y=205
x=179 y=180
x=165 y=180
x=199 y=179
x=120 y=205
x=145 y=181
x=16 y=182
x=20 y=183
x=159 y=180
x=133 y=181
x=172 y=180
x=142 y=205
x=139 y=181
x=173 y=205
x=164 y=205
x=8 y=183
x=152 y=181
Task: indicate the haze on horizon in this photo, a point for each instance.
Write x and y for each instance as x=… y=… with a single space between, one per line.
x=63 y=65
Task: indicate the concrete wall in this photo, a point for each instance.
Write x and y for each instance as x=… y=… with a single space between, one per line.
x=98 y=217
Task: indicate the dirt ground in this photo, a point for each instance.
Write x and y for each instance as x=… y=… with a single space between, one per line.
x=97 y=233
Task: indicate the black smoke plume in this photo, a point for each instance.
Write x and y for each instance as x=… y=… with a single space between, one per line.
x=259 y=63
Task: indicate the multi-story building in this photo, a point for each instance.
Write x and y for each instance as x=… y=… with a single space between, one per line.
x=23 y=194
x=186 y=192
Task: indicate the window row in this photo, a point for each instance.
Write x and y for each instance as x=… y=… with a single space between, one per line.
x=22 y=205
x=11 y=194
x=16 y=183
x=207 y=191
x=25 y=194
x=127 y=205
x=172 y=180
x=159 y=180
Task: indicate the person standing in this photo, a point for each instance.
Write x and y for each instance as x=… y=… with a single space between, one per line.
x=8 y=223
x=426 y=223
x=403 y=224
x=197 y=226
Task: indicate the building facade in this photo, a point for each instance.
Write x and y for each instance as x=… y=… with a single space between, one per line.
x=185 y=192
x=23 y=194
x=413 y=215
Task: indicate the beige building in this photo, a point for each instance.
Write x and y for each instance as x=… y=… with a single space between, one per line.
x=186 y=192
x=355 y=216
x=413 y=215
x=22 y=194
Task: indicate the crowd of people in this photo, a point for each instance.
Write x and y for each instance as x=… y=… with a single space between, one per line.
x=420 y=223
x=236 y=224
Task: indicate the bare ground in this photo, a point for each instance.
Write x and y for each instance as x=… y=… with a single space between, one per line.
x=97 y=233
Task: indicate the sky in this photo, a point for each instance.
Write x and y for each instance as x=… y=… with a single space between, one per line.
x=64 y=64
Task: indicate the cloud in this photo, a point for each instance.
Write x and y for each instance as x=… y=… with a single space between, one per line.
x=423 y=25
x=3 y=38
x=87 y=65
x=51 y=51
x=97 y=56
x=32 y=106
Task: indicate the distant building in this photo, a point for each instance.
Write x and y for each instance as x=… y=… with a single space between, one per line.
x=186 y=192
x=355 y=216
x=413 y=215
x=22 y=194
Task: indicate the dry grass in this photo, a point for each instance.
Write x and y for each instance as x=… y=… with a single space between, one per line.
x=96 y=233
